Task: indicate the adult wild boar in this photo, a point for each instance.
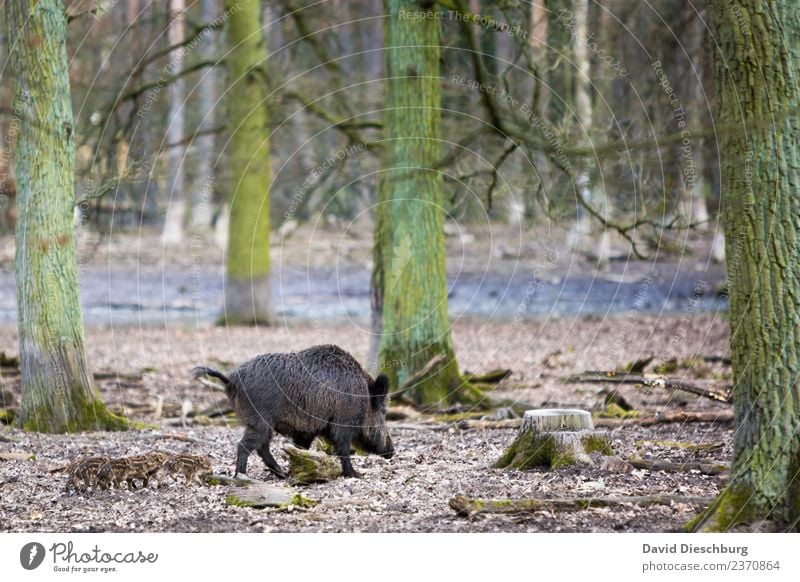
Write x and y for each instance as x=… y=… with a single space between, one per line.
x=319 y=391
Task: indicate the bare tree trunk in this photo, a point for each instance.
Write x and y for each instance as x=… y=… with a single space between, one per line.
x=693 y=206
x=203 y=190
x=174 y=231
x=584 y=224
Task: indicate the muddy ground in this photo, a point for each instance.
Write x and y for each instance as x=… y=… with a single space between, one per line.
x=435 y=460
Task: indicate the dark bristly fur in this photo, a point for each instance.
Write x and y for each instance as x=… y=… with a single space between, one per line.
x=320 y=391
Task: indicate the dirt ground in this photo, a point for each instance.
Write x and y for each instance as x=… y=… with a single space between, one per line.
x=435 y=460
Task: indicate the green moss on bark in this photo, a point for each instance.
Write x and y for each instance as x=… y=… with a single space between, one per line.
x=735 y=505
x=247 y=287
x=58 y=391
x=758 y=97
x=409 y=276
x=594 y=443
x=85 y=416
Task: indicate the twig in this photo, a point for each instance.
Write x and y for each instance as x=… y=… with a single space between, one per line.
x=212 y=385
x=652 y=380
x=417 y=376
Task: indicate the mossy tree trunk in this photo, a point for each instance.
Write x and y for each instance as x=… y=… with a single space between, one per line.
x=247 y=283
x=757 y=87
x=58 y=391
x=409 y=286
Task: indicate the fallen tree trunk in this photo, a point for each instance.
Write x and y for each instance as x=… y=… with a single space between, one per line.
x=667 y=417
x=492 y=377
x=705 y=468
x=307 y=466
x=468 y=507
x=655 y=381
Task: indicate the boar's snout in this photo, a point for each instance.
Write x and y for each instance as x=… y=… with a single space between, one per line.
x=388 y=449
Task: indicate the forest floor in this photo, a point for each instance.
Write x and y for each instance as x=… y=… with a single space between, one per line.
x=436 y=458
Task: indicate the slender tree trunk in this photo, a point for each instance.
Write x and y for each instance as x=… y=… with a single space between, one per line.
x=247 y=281
x=174 y=231
x=693 y=206
x=58 y=392
x=559 y=60
x=203 y=190
x=757 y=87
x=584 y=223
x=409 y=279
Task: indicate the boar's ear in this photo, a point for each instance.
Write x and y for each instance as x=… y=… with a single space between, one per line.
x=378 y=389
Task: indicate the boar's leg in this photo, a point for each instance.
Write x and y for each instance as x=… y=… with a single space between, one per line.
x=269 y=460
x=303 y=441
x=250 y=441
x=341 y=445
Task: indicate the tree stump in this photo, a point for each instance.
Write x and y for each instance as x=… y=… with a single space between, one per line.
x=554 y=438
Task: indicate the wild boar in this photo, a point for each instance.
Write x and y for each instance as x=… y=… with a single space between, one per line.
x=319 y=391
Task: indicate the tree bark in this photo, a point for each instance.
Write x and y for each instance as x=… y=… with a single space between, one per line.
x=174 y=231
x=409 y=286
x=58 y=393
x=203 y=190
x=757 y=87
x=247 y=281
x=560 y=74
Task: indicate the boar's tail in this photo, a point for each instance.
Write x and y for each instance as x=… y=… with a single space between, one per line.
x=230 y=388
x=201 y=371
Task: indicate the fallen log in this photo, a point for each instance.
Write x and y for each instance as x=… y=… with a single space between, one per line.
x=488 y=424
x=708 y=468
x=468 y=507
x=665 y=418
x=306 y=466
x=134 y=378
x=260 y=495
x=238 y=480
x=492 y=377
x=654 y=381
x=17 y=456
x=717 y=360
